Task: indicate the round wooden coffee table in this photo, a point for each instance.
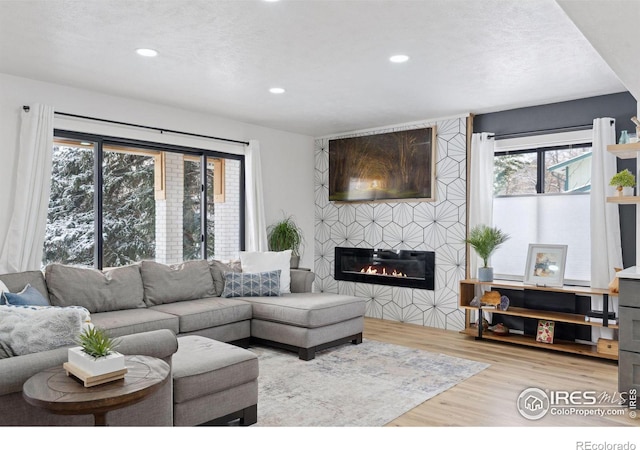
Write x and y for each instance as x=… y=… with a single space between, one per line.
x=58 y=393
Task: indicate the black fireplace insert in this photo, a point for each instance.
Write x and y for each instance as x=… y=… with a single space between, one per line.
x=406 y=268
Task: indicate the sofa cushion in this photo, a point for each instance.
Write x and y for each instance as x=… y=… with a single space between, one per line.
x=131 y=321
x=98 y=291
x=308 y=310
x=164 y=283
x=206 y=312
x=15 y=282
x=32 y=329
x=254 y=262
x=218 y=268
x=262 y=284
x=28 y=296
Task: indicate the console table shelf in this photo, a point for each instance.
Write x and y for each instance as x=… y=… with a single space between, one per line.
x=561 y=346
x=468 y=292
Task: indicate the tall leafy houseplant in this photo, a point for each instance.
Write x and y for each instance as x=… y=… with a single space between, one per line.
x=485 y=240
x=286 y=235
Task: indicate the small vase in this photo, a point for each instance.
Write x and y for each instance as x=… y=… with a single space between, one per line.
x=624 y=137
x=627 y=191
x=485 y=274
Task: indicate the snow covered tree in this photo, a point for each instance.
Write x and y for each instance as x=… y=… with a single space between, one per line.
x=128 y=208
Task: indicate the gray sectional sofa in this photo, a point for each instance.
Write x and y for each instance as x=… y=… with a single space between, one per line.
x=150 y=305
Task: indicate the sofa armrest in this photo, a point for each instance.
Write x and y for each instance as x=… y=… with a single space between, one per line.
x=158 y=343
x=301 y=280
x=14 y=371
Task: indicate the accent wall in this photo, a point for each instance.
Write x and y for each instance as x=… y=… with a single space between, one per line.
x=438 y=226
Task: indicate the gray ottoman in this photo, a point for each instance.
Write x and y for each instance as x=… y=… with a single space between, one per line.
x=213 y=383
x=307 y=322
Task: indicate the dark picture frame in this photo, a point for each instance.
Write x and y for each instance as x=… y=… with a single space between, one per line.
x=398 y=165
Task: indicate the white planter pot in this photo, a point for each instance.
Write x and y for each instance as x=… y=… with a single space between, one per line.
x=95 y=366
x=627 y=191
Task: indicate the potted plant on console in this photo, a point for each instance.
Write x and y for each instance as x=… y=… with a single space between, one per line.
x=95 y=361
x=286 y=235
x=624 y=182
x=485 y=240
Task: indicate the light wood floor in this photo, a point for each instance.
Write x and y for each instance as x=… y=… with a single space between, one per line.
x=489 y=398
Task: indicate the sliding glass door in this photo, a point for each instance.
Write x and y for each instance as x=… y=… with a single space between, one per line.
x=144 y=201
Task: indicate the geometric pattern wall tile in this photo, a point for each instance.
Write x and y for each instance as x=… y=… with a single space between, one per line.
x=374 y=309
x=378 y=292
x=436 y=226
x=403 y=213
x=327 y=284
x=403 y=297
x=456 y=192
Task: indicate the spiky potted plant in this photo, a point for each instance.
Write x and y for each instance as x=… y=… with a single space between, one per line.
x=485 y=240
x=96 y=354
x=286 y=235
x=623 y=179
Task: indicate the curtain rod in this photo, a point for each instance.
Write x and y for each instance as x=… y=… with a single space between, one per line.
x=161 y=130
x=547 y=131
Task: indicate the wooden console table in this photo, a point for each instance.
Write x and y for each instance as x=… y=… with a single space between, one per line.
x=468 y=292
x=58 y=393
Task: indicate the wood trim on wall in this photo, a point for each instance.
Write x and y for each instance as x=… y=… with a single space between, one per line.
x=467 y=252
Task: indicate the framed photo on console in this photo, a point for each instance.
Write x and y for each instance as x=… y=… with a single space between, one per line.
x=545 y=265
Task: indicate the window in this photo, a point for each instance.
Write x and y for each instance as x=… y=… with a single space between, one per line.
x=144 y=200
x=541 y=189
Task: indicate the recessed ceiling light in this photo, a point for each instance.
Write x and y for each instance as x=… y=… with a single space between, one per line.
x=146 y=52
x=276 y=90
x=399 y=58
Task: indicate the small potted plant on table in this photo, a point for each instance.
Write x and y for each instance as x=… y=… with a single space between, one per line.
x=95 y=361
x=485 y=240
x=624 y=182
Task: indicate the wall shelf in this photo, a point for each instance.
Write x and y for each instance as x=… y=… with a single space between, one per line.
x=624 y=199
x=625 y=151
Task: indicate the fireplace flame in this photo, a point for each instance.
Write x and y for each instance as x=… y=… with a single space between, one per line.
x=370 y=270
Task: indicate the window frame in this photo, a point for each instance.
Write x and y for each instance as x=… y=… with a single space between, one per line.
x=102 y=141
x=540 y=143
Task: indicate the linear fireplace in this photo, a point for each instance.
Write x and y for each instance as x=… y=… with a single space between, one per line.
x=407 y=268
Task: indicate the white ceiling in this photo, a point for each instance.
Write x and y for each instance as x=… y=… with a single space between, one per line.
x=222 y=56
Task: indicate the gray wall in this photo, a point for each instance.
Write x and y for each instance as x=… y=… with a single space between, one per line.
x=574 y=114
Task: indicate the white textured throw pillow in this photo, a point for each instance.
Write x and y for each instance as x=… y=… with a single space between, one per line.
x=254 y=262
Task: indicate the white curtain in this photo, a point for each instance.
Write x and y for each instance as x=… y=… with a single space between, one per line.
x=606 y=247
x=23 y=245
x=480 y=188
x=256 y=222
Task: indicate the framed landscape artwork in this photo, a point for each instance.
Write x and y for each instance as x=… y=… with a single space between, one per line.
x=389 y=166
x=545 y=265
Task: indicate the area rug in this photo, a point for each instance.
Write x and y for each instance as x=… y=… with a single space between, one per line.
x=365 y=385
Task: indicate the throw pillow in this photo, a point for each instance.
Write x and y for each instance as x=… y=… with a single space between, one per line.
x=242 y=284
x=3 y=288
x=28 y=296
x=255 y=262
x=33 y=329
x=164 y=283
x=218 y=268
x=97 y=290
